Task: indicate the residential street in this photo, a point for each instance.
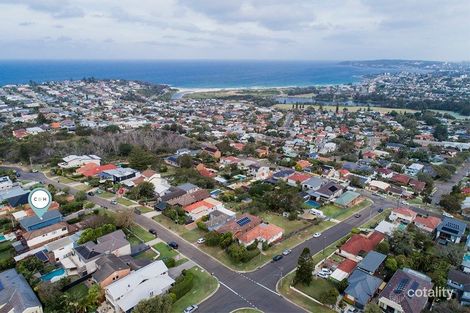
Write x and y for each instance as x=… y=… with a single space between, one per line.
x=255 y=289
x=446 y=187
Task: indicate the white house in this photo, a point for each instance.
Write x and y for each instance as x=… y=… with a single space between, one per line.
x=61 y=248
x=403 y=215
x=149 y=281
x=35 y=238
x=78 y=160
x=414 y=169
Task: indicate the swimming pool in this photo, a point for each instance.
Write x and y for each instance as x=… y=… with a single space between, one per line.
x=312 y=204
x=53 y=276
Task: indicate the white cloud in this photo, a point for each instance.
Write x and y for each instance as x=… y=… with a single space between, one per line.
x=249 y=29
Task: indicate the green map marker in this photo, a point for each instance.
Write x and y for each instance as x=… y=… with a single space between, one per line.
x=40 y=200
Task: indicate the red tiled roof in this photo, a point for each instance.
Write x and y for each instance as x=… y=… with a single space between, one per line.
x=358 y=243
x=405 y=211
x=91 y=169
x=265 y=231
x=400 y=178
x=347 y=266
x=299 y=177
x=430 y=221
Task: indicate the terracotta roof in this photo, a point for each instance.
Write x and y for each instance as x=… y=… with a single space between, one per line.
x=148 y=173
x=400 y=178
x=264 y=231
x=405 y=211
x=347 y=266
x=429 y=222
x=360 y=243
x=299 y=177
x=92 y=169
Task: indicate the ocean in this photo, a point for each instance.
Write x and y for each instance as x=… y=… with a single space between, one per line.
x=189 y=73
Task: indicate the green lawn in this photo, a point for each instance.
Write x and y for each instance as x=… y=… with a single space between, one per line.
x=83 y=187
x=332 y=210
x=316 y=287
x=125 y=201
x=65 y=180
x=204 y=285
x=106 y=195
x=144 y=209
x=283 y=222
x=6 y=251
x=133 y=240
x=341 y=214
x=193 y=235
x=306 y=303
x=141 y=233
x=165 y=251
x=80 y=289
x=147 y=255
x=181 y=261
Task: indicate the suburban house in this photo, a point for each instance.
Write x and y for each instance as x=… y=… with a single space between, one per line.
x=362 y=287
x=349 y=199
x=327 y=192
x=161 y=185
x=38 y=237
x=93 y=169
x=268 y=233
x=427 y=223
x=61 y=248
x=14 y=196
x=212 y=151
x=314 y=183
x=399 y=294
x=202 y=208
x=297 y=179
x=146 y=282
x=344 y=269
x=219 y=217
x=450 y=230
x=16 y=295
x=414 y=169
x=460 y=283
x=72 y=161
x=109 y=268
x=403 y=215
x=359 y=245
x=259 y=172
x=119 y=175
x=86 y=255
x=5 y=183
x=189 y=198
x=34 y=222
x=371 y=262
x=241 y=225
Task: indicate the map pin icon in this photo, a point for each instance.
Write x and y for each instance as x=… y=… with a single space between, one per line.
x=40 y=200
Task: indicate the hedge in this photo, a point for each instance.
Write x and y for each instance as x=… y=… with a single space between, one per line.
x=183 y=284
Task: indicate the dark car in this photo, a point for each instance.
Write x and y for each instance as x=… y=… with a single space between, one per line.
x=380 y=210
x=153 y=231
x=357 y=215
x=277 y=257
x=91 y=193
x=173 y=245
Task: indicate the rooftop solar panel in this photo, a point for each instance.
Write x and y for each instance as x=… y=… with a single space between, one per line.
x=243 y=221
x=401 y=286
x=413 y=287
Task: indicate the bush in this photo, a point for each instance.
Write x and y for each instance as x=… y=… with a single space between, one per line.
x=253 y=246
x=169 y=262
x=183 y=284
x=213 y=239
x=202 y=226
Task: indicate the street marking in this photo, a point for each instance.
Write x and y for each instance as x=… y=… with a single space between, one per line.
x=259 y=284
x=239 y=295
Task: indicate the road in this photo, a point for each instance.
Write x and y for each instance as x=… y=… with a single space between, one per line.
x=255 y=289
x=446 y=186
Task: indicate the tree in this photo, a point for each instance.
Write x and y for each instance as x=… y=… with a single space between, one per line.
x=305 y=267
x=383 y=247
x=146 y=190
x=124 y=218
x=185 y=161
x=329 y=296
x=372 y=308
x=125 y=149
x=80 y=196
x=451 y=202
x=440 y=132
x=391 y=264
x=141 y=159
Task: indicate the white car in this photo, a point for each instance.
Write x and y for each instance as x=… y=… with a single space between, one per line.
x=191 y=309
x=286 y=252
x=326 y=271
x=316 y=235
x=322 y=275
x=201 y=240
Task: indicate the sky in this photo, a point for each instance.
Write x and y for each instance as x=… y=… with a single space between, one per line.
x=235 y=29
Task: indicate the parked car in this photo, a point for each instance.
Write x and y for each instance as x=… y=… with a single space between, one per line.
x=114 y=202
x=91 y=193
x=201 y=240
x=380 y=210
x=286 y=252
x=191 y=308
x=316 y=235
x=322 y=275
x=153 y=231
x=173 y=245
x=357 y=215
x=277 y=257
x=326 y=270
x=34 y=170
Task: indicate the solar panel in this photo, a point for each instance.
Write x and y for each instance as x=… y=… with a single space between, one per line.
x=401 y=286
x=413 y=287
x=450 y=230
x=41 y=256
x=243 y=221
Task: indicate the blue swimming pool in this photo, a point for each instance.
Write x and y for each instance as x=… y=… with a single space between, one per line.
x=54 y=274
x=313 y=204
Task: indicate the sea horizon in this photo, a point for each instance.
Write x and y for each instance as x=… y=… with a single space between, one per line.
x=190 y=74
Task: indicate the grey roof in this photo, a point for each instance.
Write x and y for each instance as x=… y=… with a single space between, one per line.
x=107 y=265
x=460 y=277
x=15 y=292
x=362 y=286
x=314 y=182
x=105 y=244
x=452 y=226
x=33 y=220
x=398 y=286
x=187 y=187
x=372 y=261
x=173 y=194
